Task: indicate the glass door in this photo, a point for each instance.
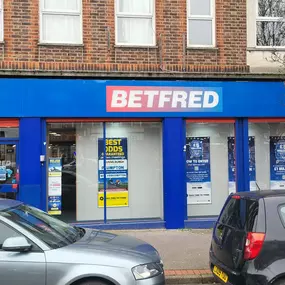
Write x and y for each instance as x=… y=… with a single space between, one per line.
x=9 y=170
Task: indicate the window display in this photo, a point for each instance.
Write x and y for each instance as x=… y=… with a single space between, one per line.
x=270 y=154
x=125 y=165
x=140 y=172
x=9 y=169
x=232 y=162
x=208 y=164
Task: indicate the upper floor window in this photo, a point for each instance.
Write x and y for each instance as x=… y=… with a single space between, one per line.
x=61 y=21
x=135 y=22
x=201 y=23
x=270 y=23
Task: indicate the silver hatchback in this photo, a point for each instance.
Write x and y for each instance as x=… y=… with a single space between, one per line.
x=38 y=249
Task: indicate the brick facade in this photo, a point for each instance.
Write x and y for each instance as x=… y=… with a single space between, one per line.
x=21 y=49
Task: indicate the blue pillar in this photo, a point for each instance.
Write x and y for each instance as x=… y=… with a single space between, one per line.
x=242 y=155
x=174 y=172
x=29 y=161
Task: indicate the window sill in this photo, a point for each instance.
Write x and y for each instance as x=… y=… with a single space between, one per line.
x=271 y=49
x=203 y=48
x=134 y=46
x=61 y=45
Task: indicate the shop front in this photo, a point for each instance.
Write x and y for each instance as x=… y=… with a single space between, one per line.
x=139 y=154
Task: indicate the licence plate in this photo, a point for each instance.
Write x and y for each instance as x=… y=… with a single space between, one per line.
x=218 y=272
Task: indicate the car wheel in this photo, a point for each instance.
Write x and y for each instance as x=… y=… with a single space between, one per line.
x=279 y=282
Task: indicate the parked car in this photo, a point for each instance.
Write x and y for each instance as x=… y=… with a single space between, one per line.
x=37 y=249
x=248 y=243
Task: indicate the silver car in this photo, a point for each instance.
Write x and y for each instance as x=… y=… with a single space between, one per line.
x=38 y=249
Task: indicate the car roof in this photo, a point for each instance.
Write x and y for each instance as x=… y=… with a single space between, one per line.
x=261 y=194
x=7 y=203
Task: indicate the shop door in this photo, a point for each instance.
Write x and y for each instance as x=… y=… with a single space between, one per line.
x=9 y=169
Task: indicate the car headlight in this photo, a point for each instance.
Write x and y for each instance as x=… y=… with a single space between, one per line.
x=147 y=271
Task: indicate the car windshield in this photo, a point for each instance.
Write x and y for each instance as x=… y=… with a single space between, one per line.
x=50 y=230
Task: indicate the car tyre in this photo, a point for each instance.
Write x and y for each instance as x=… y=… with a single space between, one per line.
x=279 y=282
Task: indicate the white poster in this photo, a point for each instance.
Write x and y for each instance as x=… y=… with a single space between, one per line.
x=54 y=186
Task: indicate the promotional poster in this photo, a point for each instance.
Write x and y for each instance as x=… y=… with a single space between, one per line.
x=232 y=166
x=54 y=205
x=117 y=190
x=277 y=163
x=54 y=185
x=3 y=176
x=198 y=170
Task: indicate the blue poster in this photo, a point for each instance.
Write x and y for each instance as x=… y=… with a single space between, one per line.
x=232 y=166
x=54 y=205
x=277 y=163
x=3 y=175
x=55 y=166
x=117 y=188
x=198 y=170
x=54 y=185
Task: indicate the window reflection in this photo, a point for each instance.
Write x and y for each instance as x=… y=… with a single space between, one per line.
x=270 y=26
x=270 y=33
x=271 y=8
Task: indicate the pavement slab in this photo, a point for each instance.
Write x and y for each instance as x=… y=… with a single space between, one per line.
x=180 y=249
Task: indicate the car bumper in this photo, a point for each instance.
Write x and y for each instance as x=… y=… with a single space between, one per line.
x=158 y=280
x=237 y=278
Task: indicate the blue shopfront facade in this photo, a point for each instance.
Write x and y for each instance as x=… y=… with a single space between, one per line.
x=177 y=105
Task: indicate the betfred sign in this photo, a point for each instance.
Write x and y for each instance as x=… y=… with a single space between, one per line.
x=163 y=99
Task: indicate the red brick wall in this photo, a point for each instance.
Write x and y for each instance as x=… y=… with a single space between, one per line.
x=21 y=47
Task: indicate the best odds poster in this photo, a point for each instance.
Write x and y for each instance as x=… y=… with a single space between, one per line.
x=277 y=163
x=232 y=164
x=54 y=186
x=117 y=192
x=198 y=171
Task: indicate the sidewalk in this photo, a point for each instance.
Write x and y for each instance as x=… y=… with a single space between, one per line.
x=184 y=253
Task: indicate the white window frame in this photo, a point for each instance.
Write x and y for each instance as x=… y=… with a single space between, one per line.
x=266 y=19
x=2 y=20
x=43 y=11
x=139 y=16
x=202 y=17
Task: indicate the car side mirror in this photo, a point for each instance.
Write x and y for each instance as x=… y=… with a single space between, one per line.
x=16 y=244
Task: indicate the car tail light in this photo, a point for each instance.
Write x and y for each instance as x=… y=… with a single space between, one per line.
x=237 y=197
x=253 y=245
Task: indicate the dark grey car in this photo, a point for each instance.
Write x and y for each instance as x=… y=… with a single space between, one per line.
x=37 y=249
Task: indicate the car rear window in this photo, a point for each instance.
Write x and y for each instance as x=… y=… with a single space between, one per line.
x=240 y=214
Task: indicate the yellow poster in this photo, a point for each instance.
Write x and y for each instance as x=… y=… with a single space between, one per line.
x=114 y=199
x=114 y=179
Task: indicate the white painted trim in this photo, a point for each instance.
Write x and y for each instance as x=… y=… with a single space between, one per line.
x=202 y=17
x=270 y=19
x=138 y=16
x=43 y=11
